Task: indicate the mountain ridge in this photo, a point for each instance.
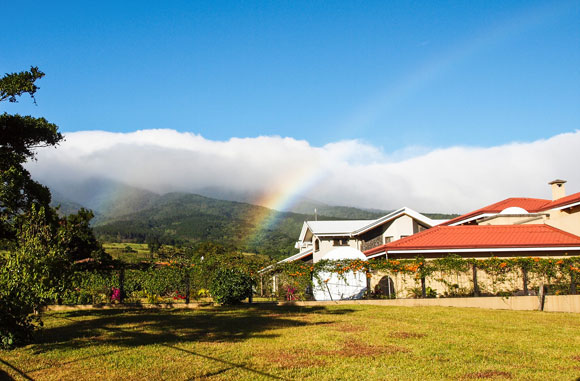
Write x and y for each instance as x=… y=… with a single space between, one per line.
x=129 y=214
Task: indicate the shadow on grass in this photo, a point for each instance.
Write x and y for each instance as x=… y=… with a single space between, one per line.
x=144 y=327
x=6 y=376
x=139 y=327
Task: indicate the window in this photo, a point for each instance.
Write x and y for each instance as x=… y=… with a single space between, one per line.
x=340 y=242
x=316 y=245
x=388 y=239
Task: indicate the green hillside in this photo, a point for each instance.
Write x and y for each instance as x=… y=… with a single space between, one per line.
x=128 y=214
x=306 y=207
x=179 y=218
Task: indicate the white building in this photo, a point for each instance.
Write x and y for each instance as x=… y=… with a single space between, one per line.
x=318 y=238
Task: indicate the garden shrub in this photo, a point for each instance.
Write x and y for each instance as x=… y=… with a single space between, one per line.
x=230 y=286
x=89 y=287
x=17 y=321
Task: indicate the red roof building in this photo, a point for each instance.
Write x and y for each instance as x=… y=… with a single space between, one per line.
x=483 y=241
x=531 y=205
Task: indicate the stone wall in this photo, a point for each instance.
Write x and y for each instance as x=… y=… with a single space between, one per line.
x=553 y=303
x=457 y=284
x=372 y=239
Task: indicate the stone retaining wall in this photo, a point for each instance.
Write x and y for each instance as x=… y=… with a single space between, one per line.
x=552 y=303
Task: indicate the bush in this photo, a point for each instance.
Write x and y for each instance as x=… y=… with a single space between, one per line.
x=17 y=321
x=417 y=292
x=230 y=286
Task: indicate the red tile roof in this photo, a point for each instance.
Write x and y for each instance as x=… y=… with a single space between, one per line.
x=481 y=237
x=532 y=205
x=573 y=198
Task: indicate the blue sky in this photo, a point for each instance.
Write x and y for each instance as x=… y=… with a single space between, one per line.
x=428 y=74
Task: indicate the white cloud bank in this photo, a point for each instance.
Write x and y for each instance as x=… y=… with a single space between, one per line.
x=455 y=179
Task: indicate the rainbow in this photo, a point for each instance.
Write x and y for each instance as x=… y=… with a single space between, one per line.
x=286 y=194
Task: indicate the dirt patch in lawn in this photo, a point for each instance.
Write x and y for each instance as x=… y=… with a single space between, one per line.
x=353 y=348
x=407 y=335
x=288 y=360
x=317 y=358
x=488 y=374
x=345 y=327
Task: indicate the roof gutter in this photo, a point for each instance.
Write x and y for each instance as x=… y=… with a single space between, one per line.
x=482 y=250
x=453 y=251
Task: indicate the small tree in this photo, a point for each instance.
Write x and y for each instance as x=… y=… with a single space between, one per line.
x=30 y=275
x=230 y=286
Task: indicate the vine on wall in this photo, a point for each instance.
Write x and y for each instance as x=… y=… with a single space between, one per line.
x=560 y=273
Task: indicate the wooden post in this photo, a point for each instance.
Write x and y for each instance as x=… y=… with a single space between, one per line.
x=572 y=282
x=525 y=278
x=121 y=284
x=187 y=288
x=423 y=288
x=475 y=285
x=261 y=285
x=368 y=285
x=541 y=297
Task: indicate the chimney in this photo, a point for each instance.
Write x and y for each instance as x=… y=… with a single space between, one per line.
x=558 y=189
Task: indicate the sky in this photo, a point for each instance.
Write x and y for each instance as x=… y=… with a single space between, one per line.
x=371 y=95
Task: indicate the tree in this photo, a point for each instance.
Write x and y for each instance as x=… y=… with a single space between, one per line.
x=230 y=286
x=42 y=248
x=81 y=242
x=19 y=137
x=30 y=274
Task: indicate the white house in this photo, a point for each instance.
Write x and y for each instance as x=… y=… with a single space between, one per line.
x=318 y=238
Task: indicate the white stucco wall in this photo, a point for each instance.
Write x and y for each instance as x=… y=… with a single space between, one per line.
x=568 y=220
x=402 y=226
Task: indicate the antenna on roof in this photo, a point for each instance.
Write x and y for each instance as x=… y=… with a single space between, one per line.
x=315 y=215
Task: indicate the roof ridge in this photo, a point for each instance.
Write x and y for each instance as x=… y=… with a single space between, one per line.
x=574 y=197
x=494 y=207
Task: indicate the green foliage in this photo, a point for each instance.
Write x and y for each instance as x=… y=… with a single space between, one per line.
x=81 y=241
x=14 y=85
x=189 y=219
x=41 y=247
x=153 y=244
x=19 y=137
x=307 y=207
x=230 y=286
x=441 y=216
x=163 y=280
x=90 y=287
x=561 y=271
x=30 y=275
x=128 y=249
x=169 y=253
x=417 y=292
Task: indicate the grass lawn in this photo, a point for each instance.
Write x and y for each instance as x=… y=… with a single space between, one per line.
x=267 y=342
x=115 y=249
